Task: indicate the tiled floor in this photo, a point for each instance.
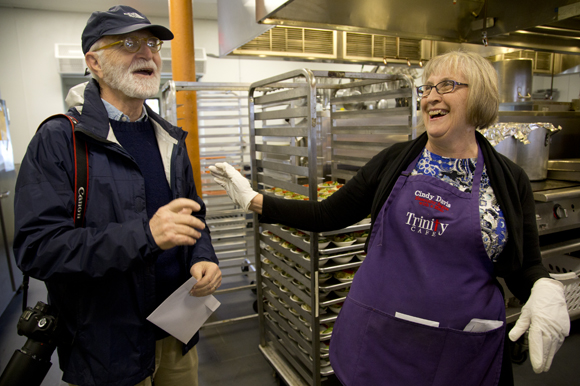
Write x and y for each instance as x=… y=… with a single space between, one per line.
x=229 y=354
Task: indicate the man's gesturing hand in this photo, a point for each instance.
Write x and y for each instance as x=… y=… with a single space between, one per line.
x=174 y=225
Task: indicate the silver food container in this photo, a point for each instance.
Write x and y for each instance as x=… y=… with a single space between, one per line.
x=527 y=144
x=515 y=78
x=508 y=147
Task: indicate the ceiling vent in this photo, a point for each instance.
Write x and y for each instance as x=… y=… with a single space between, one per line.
x=71 y=61
x=310 y=43
x=542 y=61
x=362 y=46
x=292 y=42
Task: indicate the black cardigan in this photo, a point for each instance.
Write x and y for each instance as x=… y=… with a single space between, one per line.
x=520 y=262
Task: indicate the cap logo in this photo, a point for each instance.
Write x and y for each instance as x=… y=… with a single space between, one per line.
x=133 y=14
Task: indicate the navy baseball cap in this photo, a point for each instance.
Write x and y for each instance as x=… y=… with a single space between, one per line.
x=118 y=20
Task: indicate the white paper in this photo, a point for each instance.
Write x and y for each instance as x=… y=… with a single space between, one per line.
x=181 y=314
x=482 y=325
x=415 y=319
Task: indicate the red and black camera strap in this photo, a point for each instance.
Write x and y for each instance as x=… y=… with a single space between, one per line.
x=81 y=178
x=81 y=185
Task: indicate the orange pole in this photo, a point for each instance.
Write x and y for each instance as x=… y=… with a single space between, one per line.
x=183 y=70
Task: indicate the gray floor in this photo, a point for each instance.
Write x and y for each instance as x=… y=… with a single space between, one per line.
x=229 y=354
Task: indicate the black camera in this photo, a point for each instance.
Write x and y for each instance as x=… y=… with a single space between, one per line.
x=29 y=365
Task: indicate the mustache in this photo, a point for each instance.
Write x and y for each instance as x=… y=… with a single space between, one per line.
x=143 y=64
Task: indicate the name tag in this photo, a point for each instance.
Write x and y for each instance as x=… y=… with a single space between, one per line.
x=415 y=319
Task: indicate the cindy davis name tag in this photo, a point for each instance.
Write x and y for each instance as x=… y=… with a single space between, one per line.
x=415 y=319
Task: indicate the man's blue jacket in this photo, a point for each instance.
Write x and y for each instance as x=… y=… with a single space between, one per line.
x=101 y=277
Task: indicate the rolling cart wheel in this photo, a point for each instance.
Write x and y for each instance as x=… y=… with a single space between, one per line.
x=254 y=290
x=519 y=358
x=519 y=350
x=255 y=306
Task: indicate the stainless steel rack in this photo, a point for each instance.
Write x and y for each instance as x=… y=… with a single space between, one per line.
x=223 y=134
x=306 y=128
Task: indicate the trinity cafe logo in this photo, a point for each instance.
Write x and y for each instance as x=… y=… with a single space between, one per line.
x=428 y=227
x=431 y=201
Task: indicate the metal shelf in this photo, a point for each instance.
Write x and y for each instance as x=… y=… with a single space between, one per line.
x=307 y=127
x=223 y=133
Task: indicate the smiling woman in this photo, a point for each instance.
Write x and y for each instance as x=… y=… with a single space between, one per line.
x=449 y=131
x=434 y=255
x=481 y=77
x=459 y=96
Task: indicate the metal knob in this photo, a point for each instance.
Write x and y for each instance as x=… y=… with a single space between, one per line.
x=560 y=211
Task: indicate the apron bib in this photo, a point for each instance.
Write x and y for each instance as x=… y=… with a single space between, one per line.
x=426 y=259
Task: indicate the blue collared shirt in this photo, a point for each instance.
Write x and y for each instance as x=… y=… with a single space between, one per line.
x=117 y=115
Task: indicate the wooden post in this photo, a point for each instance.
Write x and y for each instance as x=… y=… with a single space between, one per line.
x=183 y=70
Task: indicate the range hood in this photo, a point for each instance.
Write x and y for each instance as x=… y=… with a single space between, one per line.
x=540 y=25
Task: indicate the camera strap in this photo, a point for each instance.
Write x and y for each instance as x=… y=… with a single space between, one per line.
x=81 y=175
x=81 y=181
x=81 y=185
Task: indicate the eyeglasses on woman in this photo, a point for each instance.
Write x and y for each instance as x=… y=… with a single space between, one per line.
x=443 y=87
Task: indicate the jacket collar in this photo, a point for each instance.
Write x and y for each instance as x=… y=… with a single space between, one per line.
x=94 y=119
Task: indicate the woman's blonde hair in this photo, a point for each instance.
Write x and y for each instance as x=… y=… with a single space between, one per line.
x=483 y=96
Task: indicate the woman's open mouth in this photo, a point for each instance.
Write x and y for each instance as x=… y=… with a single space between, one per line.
x=434 y=114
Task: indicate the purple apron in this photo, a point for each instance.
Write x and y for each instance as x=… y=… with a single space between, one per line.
x=426 y=259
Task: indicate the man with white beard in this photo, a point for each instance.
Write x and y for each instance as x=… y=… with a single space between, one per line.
x=144 y=232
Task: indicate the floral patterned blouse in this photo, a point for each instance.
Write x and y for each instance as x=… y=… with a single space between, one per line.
x=459 y=173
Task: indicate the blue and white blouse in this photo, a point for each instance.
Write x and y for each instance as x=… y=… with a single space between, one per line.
x=459 y=173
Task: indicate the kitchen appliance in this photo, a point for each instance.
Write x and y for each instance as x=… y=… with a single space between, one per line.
x=564 y=169
x=558 y=208
x=515 y=80
x=545 y=94
x=558 y=220
x=557 y=205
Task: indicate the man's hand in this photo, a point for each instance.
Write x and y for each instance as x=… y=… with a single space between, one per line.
x=173 y=224
x=208 y=276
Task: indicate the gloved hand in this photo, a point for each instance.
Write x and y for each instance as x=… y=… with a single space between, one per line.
x=237 y=186
x=546 y=315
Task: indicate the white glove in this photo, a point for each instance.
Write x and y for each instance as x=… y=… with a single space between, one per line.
x=237 y=186
x=546 y=315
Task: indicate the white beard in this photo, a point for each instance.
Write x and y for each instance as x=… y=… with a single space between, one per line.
x=122 y=79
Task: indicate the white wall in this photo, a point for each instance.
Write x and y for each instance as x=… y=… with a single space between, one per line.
x=29 y=80
x=32 y=87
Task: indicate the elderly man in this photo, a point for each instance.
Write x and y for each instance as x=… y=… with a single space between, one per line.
x=144 y=231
